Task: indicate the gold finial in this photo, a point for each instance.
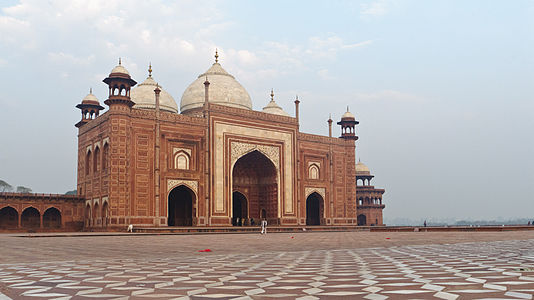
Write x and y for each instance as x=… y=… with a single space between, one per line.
x=272 y=95
x=149 y=69
x=120 y=61
x=216 y=56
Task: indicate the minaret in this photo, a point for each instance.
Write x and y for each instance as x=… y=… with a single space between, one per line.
x=297 y=102
x=329 y=125
x=90 y=108
x=348 y=126
x=120 y=83
x=157 y=138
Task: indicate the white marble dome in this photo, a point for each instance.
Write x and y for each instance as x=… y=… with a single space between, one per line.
x=362 y=169
x=273 y=108
x=144 y=97
x=223 y=90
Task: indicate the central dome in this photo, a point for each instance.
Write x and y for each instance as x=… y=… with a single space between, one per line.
x=223 y=90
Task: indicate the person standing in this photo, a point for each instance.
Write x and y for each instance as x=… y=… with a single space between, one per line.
x=263 y=226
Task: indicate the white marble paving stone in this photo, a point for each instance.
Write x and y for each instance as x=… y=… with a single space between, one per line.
x=375 y=297
x=372 y=289
x=518 y=295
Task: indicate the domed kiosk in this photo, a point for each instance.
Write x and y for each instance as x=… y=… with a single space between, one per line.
x=369 y=199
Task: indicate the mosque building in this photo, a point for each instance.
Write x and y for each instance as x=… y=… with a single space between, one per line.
x=214 y=161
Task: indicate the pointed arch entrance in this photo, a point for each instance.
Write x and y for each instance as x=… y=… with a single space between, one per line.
x=9 y=218
x=314 y=209
x=257 y=175
x=180 y=206
x=52 y=218
x=239 y=209
x=30 y=218
x=362 y=220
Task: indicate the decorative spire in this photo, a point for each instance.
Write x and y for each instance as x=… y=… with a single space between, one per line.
x=272 y=95
x=120 y=61
x=330 y=117
x=297 y=101
x=149 y=69
x=347 y=108
x=90 y=90
x=216 y=56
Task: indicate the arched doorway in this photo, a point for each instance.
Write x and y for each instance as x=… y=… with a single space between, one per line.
x=96 y=214
x=9 y=218
x=105 y=214
x=88 y=215
x=362 y=220
x=52 y=218
x=314 y=209
x=257 y=175
x=180 y=206
x=30 y=218
x=239 y=209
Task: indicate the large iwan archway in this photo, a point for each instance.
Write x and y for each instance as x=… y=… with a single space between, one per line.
x=180 y=206
x=257 y=175
x=314 y=209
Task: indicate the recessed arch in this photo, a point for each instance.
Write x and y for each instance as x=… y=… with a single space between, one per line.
x=255 y=173
x=96 y=159
x=182 y=160
x=180 y=206
x=88 y=162
x=314 y=209
x=313 y=171
x=105 y=213
x=362 y=220
x=239 y=208
x=52 y=218
x=30 y=218
x=9 y=218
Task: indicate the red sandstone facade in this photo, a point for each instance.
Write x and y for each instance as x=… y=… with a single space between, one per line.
x=214 y=165
x=40 y=212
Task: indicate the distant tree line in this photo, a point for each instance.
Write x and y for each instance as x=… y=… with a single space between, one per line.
x=6 y=187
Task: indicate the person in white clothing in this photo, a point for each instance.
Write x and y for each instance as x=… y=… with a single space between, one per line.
x=263 y=226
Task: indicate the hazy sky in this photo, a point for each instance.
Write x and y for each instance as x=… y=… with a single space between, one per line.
x=443 y=90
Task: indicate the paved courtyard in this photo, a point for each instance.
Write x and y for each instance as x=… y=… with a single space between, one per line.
x=307 y=265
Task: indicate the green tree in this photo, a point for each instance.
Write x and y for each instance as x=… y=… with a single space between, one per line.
x=74 y=192
x=23 y=189
x=5 y=187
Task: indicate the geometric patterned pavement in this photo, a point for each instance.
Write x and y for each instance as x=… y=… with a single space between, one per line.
x=475 y=270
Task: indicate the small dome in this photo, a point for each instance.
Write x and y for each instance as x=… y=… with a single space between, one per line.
x=348 y=115
x=362 y=169
x=223 y=90
x=120 y=69
x=273 y=108
x=90 y=99
x=144 y=97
